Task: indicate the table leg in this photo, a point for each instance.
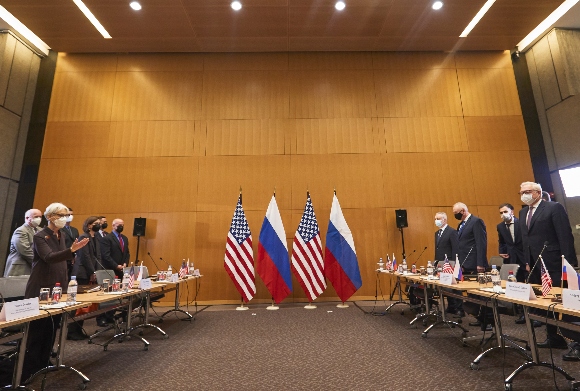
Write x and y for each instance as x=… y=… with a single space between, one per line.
x=125 y=334
x=443 y=320
x=176 y=306
x=400 y=301
x=146 y=319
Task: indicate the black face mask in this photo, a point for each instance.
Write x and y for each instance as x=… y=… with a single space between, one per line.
x=105 y=225
x=96 y=227
x=458 y=216
x=119 y=228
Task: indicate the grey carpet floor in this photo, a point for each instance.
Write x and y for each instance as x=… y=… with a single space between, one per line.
x=296 y=349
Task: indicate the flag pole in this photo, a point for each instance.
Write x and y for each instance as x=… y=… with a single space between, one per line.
x=242 y=307
x=273 y=306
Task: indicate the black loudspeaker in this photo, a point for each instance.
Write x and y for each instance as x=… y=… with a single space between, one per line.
x=139 y=226
x=401 y=216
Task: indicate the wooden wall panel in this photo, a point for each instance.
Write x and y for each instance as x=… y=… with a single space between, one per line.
x=488 y=92
x=76 y=140
x=339 y=135
x=220 y=178
x=151 y=138
x=171 y=137
x=356 y=178
x=425 y=134
x=499 y=133
x=420 y=179
x=245 y=94
x=417 y=93
x=499 y=175
x=82 y=96
x=247 y=137
x=157 y=96
x=331 y=94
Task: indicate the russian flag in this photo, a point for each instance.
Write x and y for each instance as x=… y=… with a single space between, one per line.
x=457 y=272
x=573 y=278
x=273 y=262
x=340 y=261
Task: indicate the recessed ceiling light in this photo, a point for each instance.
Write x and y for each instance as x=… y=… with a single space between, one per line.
x=236 y=5
x=340 y=5
x=135 y=5
x=92 y=18
x=477 y=18
x=437 y=5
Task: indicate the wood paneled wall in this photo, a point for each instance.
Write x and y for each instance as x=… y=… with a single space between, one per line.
x=172 y=137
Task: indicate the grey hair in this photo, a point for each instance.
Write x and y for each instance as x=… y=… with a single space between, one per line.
x=442 y=214
x=461 y=205
x=535 y=186
x=53 y=209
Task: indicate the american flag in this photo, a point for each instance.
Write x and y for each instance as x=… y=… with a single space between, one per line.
x=447 y=267
x=546 y=279
x=239 y=256
x=307 y=263
x=183 y=270
x=131 y=276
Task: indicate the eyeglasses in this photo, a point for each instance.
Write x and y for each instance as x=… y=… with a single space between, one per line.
x=61 y=215
x=527 y=192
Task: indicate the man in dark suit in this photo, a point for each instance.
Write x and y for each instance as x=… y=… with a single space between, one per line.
x=115 y=249
x=511 y=247
x=70 y=235
x=472 y=253
x=446 y=245
x=545 y=226
x=102 y=233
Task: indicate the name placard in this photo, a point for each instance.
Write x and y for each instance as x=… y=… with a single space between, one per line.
x=571 y=299
x=520 y=291
x=447 y=278
x=18 y=309
x=145 y=283
x=196 y=273
x=174 y=277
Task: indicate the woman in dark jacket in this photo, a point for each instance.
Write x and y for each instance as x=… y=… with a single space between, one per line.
x=48 y=268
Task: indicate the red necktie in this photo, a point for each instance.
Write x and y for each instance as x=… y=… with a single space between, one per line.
x=121 y=243
x=530 y=213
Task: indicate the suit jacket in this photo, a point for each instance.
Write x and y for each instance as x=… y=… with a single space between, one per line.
x=447 y=244
x=549 y=223
x=70 y=236
x=507 y=245
x=473 y=244
x=87 y=258
x=19 y=261
x=112 y=255
x=49 y=263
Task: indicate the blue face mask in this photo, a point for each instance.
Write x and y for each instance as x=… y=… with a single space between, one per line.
x=439 y=223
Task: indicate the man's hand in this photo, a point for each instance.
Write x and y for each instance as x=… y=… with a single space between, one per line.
x=480 y=269
x=528 y=268
x=120 y=267
x=504 y=255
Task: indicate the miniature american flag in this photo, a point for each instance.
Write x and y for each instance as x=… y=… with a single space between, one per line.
x=183 y=270
x=447 y=267
x=131 y=276
x=546 y=279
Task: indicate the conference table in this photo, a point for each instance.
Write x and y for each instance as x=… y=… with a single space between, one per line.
x=483 y=294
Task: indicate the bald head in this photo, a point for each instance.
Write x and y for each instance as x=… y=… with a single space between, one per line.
x=32 y=217
x=118 y=225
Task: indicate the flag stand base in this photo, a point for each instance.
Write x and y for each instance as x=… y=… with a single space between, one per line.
x=242 y=308
x=310 y=306
x=272 y=307
x=342 y=305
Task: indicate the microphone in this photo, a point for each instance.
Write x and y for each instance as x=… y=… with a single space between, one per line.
x=409 y=256
x=539 y=256
x=420 y=255
x=168 y=265
x=148 y=253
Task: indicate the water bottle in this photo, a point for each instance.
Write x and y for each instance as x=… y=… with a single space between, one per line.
x=429 y=270
x=511 y=277
x=381 y=264
x=71 y=292
x=404 y=266
x=56 y=293
x=125 y=282
x=169 y=272
x=495 y=280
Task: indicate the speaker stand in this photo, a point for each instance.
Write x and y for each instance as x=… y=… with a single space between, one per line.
x=402 y=240
x=137 y=252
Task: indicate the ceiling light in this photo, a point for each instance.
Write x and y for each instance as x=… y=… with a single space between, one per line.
x=135 y=5
x=437 y=5
x=477 y=18
x=23 y=30
x=546 y=23
x=340 y=5
x=236 y=5
x=92 y=18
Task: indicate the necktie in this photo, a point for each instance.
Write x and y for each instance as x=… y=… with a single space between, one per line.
x=439 y=233
x=121 y=243
x=530 y=213
x=461 y=226
x=510 y=227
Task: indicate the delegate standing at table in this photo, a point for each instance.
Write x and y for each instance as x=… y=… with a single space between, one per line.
x=48 y=267
x=546 y=224
x=446 y=245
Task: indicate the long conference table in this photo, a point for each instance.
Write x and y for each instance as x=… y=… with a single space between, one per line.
x=107 y=302
x=472 y=291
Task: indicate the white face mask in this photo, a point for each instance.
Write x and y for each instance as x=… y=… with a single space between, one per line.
x=506 y=216
x=439 y=223
x=69 y=218
x=35 y=222
x=60 y=222
x=527 y=199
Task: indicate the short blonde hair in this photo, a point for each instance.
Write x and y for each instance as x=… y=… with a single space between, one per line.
x=53 y=209
x=535 y=186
